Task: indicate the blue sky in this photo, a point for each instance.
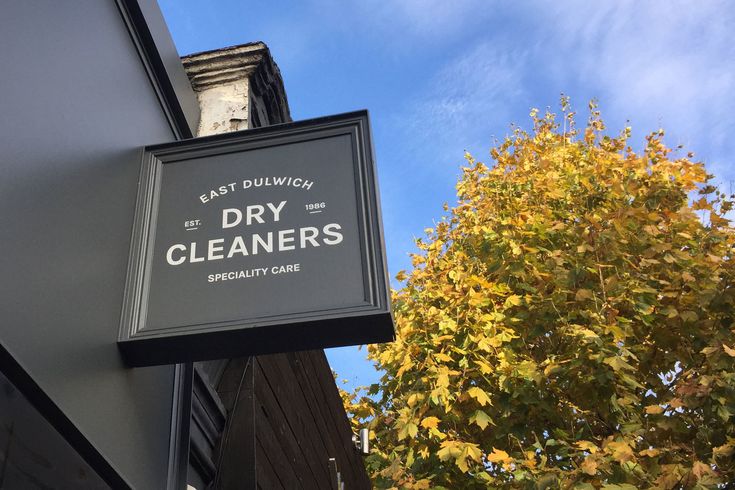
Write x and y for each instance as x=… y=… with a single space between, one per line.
x=440 y=77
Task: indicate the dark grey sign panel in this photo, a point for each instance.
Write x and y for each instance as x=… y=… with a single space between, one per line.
x=266 y=240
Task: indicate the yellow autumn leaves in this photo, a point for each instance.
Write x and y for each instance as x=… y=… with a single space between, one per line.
x=568 y=323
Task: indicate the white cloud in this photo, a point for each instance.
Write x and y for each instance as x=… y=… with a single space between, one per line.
x=657 y=63
x=467 y=97
x=403 y=26
x=425 y=18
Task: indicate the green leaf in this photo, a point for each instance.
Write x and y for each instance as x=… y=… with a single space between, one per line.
x=481 y=419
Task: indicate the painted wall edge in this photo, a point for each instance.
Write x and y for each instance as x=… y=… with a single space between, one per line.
x=153 y=41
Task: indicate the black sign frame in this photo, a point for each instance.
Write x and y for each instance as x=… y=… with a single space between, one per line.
x=320 y=328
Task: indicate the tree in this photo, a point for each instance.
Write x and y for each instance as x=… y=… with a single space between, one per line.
x=569 y=324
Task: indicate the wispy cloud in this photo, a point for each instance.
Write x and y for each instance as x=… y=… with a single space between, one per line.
x=437 y=19
x=656 y=63
x=455 y=109
x=405 y=26
x=466 y=98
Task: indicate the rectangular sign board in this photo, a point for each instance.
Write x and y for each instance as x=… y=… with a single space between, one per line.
x=259 y=241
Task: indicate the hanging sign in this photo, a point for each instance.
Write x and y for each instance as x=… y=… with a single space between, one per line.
x=259 y=241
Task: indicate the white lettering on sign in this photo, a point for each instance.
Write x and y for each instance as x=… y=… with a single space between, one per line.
x=255 y=243
x=219 y=191
x=170 y=254
x=213 y=249
x=285 y=269
x=274 y=181
x=232 y=216
x=332 y=230
x=277 y=181
x=244 y=245
x=254 y=273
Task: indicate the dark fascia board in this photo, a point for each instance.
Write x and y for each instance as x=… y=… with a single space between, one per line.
x=153 y=41
x=229 y=344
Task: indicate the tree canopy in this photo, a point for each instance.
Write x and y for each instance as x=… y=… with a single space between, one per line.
x=568 y=324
